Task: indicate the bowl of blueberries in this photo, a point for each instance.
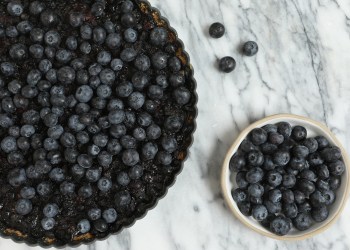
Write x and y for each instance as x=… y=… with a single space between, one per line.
x=286 y=177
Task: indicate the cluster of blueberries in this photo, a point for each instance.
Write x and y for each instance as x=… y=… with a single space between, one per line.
x=227 y=64
x=99 y=119
x=285 y=178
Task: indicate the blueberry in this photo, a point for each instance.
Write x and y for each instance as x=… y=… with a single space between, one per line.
x=285 y=129
x=182 y=95
x=8 y=144
x=315 y=159
x=27 y=130
x=55 y=132
x=135 y=172
x=84 y=160
x=281 y=158
x=23 y=206
x=169 y=143
x=54 y=157
x=164 y=158
x=85 y=191
x=127 y=6
x=15 y=158
x=77 y=171
x=306 y=186
x=50 y=144
x=93 y=175
x=241 y=180
x=124 y=89
x=43 y=166
x=255 y=190
x=99 y=35
x=14 y=86
x=300 y=151
x=15 y=8
x=322 y=185
x=331 y=154
x=11 y=31
x=101 y=225
x=288 y=181
x=275 y=195
x=51 y=76
x=16 y=177
x=51 y=210
x=45 y=65
x=5 y=121
x=36 y=51
x=110 y=215
x=250 y=48
x=123 y=179
x=24 y=27
x=336 y=168
x=7 y=68
x=57 y=174
x=63 y=56
x=245 y=208
x=128 y=54
x=240 y=195
x=105 y=159
x=334 y=182
x=216 y=30
x=299 y=133
x=66 y=75
x=116 y=64
x=104 y=57
x=139 y=134
x=68 y=140
x=287 y=196
x=107 y=76
x=304 y=207
x=330 y=196
x=280 y=226
x=85 y=48
x=122 y=199
x=130 y=35
x=113 y=41
x=136 y=100
x=153 y=132
x=308 y=175
x=36 y=7
x=158 y=36
x=290 y=210
x=39 y=154
x=258 y=136
x=159 y=60
x=259 y=212
x=27 y=192
x=44 y=188
x=97 y=8
x=94 y=213
x=177 y=80
x=317 y=199
x=83 y=226
x=142 y=62
x=104 y=184
x=149 y=151
x=76 y=19
x=275 y=138
x=48 y=223
x=255 y=158
x=322 y=142
x=67 y=188
x=319 y=214
x=311 y=144
x=139 y=80
x=322 y=171
x=162 y=81
x=49 y=18
x=302 y=221
x=254 y=175
x=52 y=38
x=117 y=131
x=256 y=200
x=50 y=52
x=237 y=162
x=227 y=64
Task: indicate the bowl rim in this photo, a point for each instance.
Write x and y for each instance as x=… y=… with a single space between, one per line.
x=226 y=173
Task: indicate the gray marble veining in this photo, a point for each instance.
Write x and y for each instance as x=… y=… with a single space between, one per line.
x=301 y=68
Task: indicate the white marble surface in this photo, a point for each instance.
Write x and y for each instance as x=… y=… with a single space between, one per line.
x=302 y=68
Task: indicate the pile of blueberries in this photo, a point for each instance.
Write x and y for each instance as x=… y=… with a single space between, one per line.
x=227 y=64
x=285 y=178
x=83 y=86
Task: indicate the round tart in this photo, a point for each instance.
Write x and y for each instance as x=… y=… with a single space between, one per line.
x=97 y=113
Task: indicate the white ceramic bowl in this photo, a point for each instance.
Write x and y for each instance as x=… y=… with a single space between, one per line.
x=314 y=128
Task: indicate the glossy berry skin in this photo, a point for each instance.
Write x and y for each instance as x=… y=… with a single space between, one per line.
x=275 y=195
x=337 y=168
x=258 y=136
x=250 y=48
x=281 y=158
x=285 y=129
x=227 y=64
x=83 y=226
x=254 y=175
x=255 y=158
x=274 y=178
x=290 y=210
x=259 y=212
x=216 y=30
x=302 y=221
x=319 y=214
x=280 y=226
x=237 y=163
x=255 y=190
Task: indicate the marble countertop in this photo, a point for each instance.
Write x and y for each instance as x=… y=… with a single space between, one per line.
x=302 y=68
